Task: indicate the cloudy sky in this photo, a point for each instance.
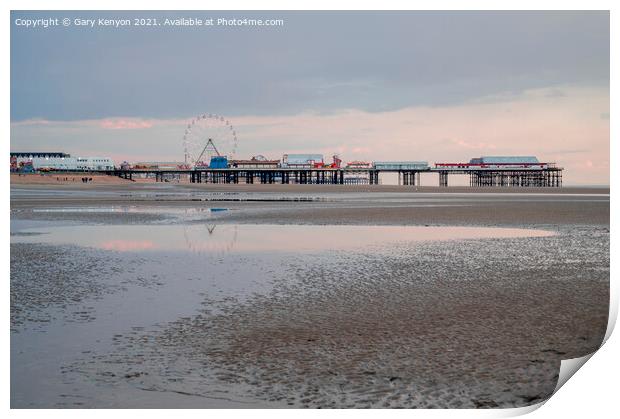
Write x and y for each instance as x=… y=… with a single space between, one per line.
x=435 y=86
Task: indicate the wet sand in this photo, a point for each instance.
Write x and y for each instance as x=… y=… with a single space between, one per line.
x=334 y=204
x=104 y=181
x=465 y=323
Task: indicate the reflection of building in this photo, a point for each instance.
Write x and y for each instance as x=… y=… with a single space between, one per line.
x=255 y=163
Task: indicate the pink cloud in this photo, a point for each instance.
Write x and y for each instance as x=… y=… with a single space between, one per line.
x=31 y=122
x=125 y=124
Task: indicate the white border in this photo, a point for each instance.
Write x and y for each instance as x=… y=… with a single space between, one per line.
x=591 y=393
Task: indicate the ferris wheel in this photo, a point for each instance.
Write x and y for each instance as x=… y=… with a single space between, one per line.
x=206 y=136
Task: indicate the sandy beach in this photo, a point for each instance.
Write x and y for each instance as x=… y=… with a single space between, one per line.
x=456 y=323
x=48 y=179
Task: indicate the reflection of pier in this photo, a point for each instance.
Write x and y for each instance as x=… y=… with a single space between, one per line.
x=548 y=176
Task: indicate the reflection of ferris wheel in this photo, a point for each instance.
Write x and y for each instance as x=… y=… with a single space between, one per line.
x=210 y=239
x=206 y=136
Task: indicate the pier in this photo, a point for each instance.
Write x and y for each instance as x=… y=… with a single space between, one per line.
x=549 y=176
x=304 y=169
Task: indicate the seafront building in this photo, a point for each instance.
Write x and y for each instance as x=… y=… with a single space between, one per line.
x=256 y=162
x=47 y=161
x=301 y=160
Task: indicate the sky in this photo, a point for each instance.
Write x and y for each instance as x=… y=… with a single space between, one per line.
x=434 y=86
